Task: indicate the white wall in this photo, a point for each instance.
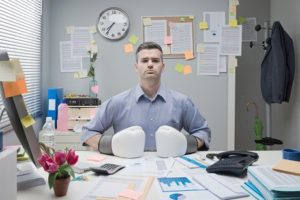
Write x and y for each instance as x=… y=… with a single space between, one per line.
x=286 y=117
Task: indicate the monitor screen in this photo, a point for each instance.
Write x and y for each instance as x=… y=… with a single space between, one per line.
x=16 y=110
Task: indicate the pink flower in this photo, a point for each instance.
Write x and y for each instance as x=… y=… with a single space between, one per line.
x=72 y=158
x=43 y=161
x=60 y=157
x=52 y=167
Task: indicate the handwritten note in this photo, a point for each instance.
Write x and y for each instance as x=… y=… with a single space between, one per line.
x=233 y=23
x=27 y=121
x=168 y=40
x=187 y=70
x=133 y=39
x=179 y=67
x=203 y=25
x=188 y=55
x=7 y=71
x=147 y=21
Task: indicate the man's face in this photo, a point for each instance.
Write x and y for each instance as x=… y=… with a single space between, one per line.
x=149 y=64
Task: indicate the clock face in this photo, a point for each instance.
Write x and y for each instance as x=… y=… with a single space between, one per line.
x=113 y=23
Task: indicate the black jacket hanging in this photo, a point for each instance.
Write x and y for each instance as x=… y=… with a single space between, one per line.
x=278 y=67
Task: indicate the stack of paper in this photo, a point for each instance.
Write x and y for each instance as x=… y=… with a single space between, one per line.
x=272 y=184
x=28 y=176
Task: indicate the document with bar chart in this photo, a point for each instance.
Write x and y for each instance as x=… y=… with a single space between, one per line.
x=173 y=184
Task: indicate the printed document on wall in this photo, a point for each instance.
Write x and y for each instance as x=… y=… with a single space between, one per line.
x=68 y=63
x=231 y=40
x=182 y=36
x=156 y=32
x=249 y=32
x=215 y=21
x=208 y=60
x=81 y=39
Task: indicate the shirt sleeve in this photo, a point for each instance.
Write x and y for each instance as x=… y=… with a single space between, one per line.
x=100 y=123
x=194 y=123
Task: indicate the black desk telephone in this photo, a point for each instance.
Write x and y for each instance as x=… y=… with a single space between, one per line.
x=233 y=163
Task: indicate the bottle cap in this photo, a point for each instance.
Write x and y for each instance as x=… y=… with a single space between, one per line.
x=48 y=119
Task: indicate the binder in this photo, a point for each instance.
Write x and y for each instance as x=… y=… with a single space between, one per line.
x=55 y=97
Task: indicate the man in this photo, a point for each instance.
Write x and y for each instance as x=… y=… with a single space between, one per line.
x=148 y=105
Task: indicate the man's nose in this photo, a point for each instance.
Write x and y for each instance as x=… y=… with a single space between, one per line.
x=150 y=64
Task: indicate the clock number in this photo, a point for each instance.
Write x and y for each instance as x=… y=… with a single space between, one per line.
x=113 y=12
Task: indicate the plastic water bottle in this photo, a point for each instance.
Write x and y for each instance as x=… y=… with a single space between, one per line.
x=48 y=132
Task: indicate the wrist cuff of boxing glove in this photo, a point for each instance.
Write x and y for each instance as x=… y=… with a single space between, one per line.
x=104 y=145
x=191 y=144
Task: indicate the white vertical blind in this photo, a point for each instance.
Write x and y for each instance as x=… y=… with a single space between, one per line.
x=20 y=36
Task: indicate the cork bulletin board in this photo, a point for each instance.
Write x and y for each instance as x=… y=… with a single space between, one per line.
x=175 y=34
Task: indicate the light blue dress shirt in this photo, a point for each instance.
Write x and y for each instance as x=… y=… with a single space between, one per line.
x=134 y=108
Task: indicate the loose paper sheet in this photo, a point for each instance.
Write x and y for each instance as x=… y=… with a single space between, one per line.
x=80 y=40
x=69 y=63
x=156 y=32
x=182 y=38
x=249 y=33
x=208 y=60
x=215 y=21
x=7 y=71
x=231 y=40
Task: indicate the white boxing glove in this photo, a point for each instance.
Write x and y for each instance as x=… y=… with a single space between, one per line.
x=170 y=142
x=129 y=142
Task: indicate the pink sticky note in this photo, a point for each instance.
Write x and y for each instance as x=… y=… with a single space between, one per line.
x=168 y=40
x=188 y=55
x=131 y=194
x=187 y=69
x=96 y=158
x=95 y=89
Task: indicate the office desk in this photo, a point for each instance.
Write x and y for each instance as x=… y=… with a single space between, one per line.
x=77 y=188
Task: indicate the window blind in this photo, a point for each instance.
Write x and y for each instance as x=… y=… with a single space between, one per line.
x=20 y=36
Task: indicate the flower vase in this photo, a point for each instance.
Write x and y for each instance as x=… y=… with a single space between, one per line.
x=61 y=186
x=93 y=88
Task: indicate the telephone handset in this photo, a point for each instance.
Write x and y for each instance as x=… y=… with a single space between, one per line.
x=232 y=162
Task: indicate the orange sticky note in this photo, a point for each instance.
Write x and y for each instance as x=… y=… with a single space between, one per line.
x=188 y=55
x=187 y=69
x=15 y=87
x=128 y=48
x=130 y=194
x=27 y=121
x=168 y=40
x=203 y=25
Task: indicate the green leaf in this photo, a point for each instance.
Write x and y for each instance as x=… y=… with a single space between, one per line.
x=51 y=179
x=70 y=171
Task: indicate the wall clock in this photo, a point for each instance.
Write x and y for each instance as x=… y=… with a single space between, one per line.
x=113 y=23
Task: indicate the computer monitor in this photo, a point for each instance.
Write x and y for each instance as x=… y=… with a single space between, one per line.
x=16 y=110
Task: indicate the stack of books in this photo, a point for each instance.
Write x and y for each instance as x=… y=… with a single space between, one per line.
x=28 y=176
x=265 y=183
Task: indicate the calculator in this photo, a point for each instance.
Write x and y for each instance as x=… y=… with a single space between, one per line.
x=107 y=169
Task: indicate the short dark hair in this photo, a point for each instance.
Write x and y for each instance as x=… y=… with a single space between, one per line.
x=147 y=45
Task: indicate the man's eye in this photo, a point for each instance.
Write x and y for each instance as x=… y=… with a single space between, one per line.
x=155 y=61
x=144 y=61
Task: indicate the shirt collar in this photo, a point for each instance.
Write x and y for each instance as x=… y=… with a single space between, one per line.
x=162 y=93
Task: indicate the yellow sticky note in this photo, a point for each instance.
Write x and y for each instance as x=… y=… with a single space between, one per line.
x=133 y=39
x=76 y=75
x=188 y=55
x=235 y=2
x=27 y=121
x=241 y=20
x=231 y=70
x=200 y=48
x=128 y=48
x=203 y=25
x=232 y=61
x=187 y=69
x=182 y=19
x=147 y=21
x=191 y=17
x=93 y=29
x=168 y=40
x=166 y=49
x=233 y=23
x=70 y=29
x=179 y=67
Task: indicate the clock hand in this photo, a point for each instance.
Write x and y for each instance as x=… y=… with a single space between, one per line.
x=108 y=28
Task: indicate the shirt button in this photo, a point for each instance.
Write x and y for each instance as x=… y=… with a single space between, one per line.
x=151 y=119
x=151 y=135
